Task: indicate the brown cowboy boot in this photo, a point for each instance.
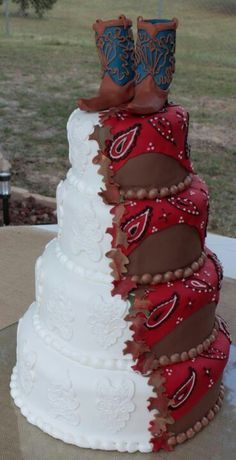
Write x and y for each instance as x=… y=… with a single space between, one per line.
x=155 y=64
x=114 y=40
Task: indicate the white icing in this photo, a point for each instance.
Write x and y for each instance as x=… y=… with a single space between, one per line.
x=106 y=320
x=72 y=379
x=60 y=206
x=115 y=403
x=64 y=402
x=82 y=150
x=59 y=314
x=26 y=362
x=67 y=399
x=87 y=233
x=84 y=294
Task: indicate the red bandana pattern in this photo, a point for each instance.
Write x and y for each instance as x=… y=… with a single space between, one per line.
x=143 y=218
x=155 y=310
x=159 y=308
x=165 y=132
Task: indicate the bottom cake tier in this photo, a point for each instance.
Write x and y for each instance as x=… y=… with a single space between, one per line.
x=106 y=408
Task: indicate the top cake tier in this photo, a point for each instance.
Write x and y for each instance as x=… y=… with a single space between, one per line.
x=148 y=155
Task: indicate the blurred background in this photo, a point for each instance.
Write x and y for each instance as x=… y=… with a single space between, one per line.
x=48 y=59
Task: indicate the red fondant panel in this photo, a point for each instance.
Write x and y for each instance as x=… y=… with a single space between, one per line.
x=187 y=382
x=142 y=218
x=164 y=132
x=165 y=306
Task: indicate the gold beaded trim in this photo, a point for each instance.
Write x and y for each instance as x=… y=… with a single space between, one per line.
x=193 y=352
x=154 y=193
x=180 y=273
x=198 y=426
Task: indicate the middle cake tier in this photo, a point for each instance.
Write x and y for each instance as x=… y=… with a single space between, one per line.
x=164 y=237
x=77 y=315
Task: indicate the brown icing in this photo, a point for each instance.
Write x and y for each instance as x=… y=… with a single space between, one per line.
x=198 y=411
x=109 y=95
x=101 y=135
x=170 y=249
x=188 y=334
x=150 y=170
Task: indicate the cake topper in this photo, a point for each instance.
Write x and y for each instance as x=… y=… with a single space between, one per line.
x=136 y=79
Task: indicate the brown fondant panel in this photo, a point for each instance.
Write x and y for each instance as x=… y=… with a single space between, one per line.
x=188 y=334
x=150 y=170
x=172 y=248
x=198 y=411
x=101 y=135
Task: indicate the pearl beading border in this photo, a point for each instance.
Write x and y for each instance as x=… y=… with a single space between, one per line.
x=83 y=359
x=198 y=426
x=153 y=193
x=180 y=273
x=80 y=441
x=164 y=360
x=83 y=272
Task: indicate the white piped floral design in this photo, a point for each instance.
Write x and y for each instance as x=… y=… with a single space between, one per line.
x=114 y=403
x=81 y=149
x=60 y=203
x=106 y=320
x=64 y=402
x=26 y=361
x=39 y=276
x=87 y=233
x=60 y=317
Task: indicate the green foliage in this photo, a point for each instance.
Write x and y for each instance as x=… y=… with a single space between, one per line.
x=40 y=6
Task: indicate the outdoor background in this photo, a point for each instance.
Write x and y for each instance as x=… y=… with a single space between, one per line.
x=46 y=64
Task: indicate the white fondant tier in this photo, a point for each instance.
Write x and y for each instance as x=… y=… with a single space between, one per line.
x=82 y=150
x=83 y=220
x=90 y=407
x=78 y=314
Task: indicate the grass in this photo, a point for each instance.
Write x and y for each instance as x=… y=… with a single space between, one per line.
x=47 y=64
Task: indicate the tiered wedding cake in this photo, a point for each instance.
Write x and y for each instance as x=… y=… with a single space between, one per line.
x=72 y=379
x=122 y=348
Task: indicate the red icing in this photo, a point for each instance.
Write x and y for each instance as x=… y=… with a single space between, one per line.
x=178 y=293
x=164 y=132
x=151 y=216
x=157 y=311
x=185 y=390
x=162 y=312
x=136 y=226
x=123 y=143
x=176 y=375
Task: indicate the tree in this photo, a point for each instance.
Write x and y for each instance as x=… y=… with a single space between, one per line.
x=40 y=6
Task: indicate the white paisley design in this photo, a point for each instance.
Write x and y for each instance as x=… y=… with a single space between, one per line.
x=60 y=203
x=81 y=148
x=39 y=277
x=114 y=403
x=26 y=361
x=60 y=316
x=87 y=234
x=64 y=402
x=106 y=320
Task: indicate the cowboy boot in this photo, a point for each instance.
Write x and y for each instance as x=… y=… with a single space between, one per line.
x=155 y=64
x=115 y=44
